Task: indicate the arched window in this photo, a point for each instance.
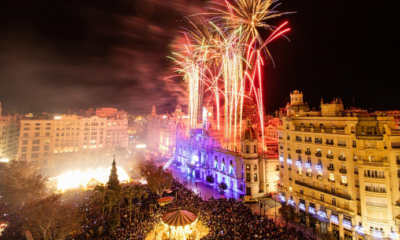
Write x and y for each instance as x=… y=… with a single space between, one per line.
x=255 y=148
x=321 y=126
x=247 y=148
x=352 y=129
x=248 y=167
x=255 y=166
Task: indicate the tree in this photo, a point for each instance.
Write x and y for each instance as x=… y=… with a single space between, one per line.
x=20 y=183
x=210 y=179
x=49 y=218
x=312 y=223
x=113 y=181
x=287 y=212
x=132 y=192
x=222 y=186
x=158 y=179
x=99 y=194
x=326 y=236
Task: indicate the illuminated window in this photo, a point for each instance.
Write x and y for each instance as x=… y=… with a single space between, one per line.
x=344 y=179
x=248 y=167
x=300 y=171
x=331 y=176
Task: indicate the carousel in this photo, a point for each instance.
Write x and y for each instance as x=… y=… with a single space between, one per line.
x=179 y=225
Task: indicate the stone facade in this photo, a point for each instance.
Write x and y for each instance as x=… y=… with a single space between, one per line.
x=342 y=167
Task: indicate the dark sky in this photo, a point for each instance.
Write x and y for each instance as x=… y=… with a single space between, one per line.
x=56 y=55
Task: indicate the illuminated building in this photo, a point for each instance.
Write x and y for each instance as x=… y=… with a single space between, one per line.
x=343 y=167
x=153 y=128
x=73 y=140
x=161 y=130
x=245 y=170
x=9 y=129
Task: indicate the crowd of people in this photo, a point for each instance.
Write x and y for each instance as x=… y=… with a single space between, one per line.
x=224 y=218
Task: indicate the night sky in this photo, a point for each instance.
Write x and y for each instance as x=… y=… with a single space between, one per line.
x=56 y=55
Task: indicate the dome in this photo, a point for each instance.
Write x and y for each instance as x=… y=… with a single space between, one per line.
x=249 y=133
x=178 y=107
x=181 y=125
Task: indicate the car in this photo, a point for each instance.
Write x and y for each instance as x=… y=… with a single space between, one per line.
x=250 y=200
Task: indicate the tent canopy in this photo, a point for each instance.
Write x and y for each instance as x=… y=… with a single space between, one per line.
x=179 y=218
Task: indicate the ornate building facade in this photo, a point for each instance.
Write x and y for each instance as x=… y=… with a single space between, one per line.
x=247 y=171
x=342 y=167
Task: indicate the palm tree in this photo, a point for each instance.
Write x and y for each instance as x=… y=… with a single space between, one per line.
x=129 y=194
x=100 y=192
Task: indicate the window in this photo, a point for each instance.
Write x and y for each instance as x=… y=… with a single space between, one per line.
x=36 y=142
x=47 y=134
x=36 y=134
x=354 y=143
x=37 y=128
x=24 y=142
x=255 y=166
x=344 y=179
x=247 y=149
x=248 y=177
x=25 y=135
x=23 y=156
x=48 y=124
x=34 y=155
x=255 y=177
x=24 y=149
x=35 y=148
x=248 y=167
x=321 y=197
x=334 y=201
x=255 y=149
x=26 y=124
x=331 y=176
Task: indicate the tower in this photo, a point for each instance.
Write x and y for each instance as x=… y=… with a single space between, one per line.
x=249 y=152
x=153 y=110
x=113 y=179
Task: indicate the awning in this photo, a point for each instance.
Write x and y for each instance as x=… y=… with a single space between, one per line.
x=179 y=218
x=165 y=199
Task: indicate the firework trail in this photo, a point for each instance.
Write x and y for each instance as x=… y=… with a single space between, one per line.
x=222 y=57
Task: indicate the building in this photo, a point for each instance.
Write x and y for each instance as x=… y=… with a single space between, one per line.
x=72 y=140
x=248 y=170
x=342 y=167
x=9 y=131
x=153 y=130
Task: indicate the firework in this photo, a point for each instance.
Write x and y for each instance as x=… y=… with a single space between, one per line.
x=221 y=59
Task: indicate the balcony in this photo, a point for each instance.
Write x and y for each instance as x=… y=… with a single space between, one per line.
x=342 y=144
x=348 y=197
x=308 y=140
x=343 y=184
x=331 y=181
x=298 y=151
x=329 y=143
x=342 y=158
x=398 y=162
x=357 y=186
x=318 y=154
x=331 y=168
x=320 y=177
x=307 y=153
x=318 y=142
x=375 y=176
x=309 y=174
x=354 y=146
x=376 y=204
x=342 y=170
x=299 y=139
x=356 y=172
x=329 y=156
x=376 y=190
